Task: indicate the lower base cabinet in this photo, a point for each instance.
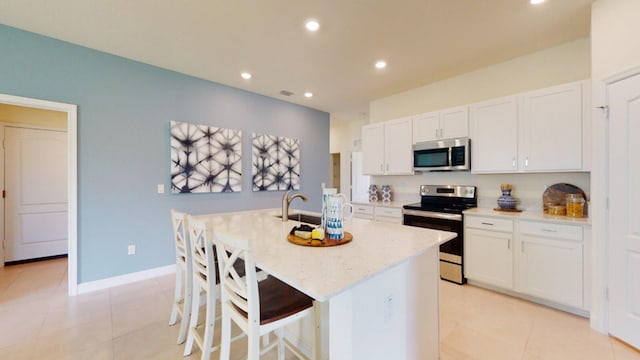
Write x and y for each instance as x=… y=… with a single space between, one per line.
x=378 y=212
x=488 y=257
x=551 y=266
x=363 y=211
x=540 y=259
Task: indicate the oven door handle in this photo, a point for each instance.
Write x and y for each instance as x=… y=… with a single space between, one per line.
x=432 y=214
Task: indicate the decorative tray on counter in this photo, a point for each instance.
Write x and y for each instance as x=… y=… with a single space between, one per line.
x=320 y=243
x=507 y=210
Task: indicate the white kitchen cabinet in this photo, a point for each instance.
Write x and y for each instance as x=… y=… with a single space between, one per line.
x=426 y=127
x=373 y=149
x=550 y=260
x=444 y=124
x=552 y=129
x=494 y=140
x=545 y=130
x=398 y=154
x=388 y=214
x=362 y=211
x=378 y=211
x=488 y=251
x=386 y=148
x=520 y=255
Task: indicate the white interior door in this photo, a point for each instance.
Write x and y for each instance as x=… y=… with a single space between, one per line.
x=36 y=193
x=624 y=221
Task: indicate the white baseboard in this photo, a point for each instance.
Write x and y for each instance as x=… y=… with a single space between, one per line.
x=125 y=279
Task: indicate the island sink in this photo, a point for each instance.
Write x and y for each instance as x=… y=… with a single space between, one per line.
x=309 y=219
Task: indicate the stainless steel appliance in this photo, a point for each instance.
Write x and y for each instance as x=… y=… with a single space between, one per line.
x=441 y=208
x=442 y=155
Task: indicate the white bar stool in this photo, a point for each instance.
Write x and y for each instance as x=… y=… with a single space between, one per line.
x=184 y=274
x=258 y=308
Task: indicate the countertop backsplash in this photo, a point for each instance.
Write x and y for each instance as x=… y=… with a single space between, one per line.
x=527 y=188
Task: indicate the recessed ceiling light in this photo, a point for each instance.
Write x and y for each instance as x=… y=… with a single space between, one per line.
x=536 y=2
x=381 y=64
x=308 y=94
x=312 y=25
x=246 y=75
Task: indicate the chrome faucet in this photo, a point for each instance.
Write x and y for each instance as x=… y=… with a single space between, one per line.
x=286 y=201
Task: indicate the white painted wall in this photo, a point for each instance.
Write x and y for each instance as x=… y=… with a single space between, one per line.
x=614 y=37
x=342 y=135
x=615 y=47
x=557 y=65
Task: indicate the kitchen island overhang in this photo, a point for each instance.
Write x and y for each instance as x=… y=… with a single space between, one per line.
x=377 y=296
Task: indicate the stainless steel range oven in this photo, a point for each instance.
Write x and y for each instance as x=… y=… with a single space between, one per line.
x=441 y=208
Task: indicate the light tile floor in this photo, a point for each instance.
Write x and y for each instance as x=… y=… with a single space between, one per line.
x=39 y=321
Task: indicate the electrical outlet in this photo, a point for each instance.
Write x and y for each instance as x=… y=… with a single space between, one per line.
x=388 y=308
x=131 y=250
x=160 y=188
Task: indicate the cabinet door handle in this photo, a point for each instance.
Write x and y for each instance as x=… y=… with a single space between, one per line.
x=522 y=246
x=381 y=167
x=513 y=162
x=508 y=244
x=549 y=230
x=526 y=161
x=437 y=133
x=486 y=223
x=387 y=167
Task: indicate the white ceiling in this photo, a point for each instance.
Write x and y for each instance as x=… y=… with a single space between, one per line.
x=422 y=40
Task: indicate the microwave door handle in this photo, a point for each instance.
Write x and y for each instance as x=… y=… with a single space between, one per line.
x=450 y=156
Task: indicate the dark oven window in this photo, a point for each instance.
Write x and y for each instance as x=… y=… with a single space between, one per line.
x=454 y=246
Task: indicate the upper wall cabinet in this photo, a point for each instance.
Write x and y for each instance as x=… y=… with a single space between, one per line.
x=386 y=148
x=494 y=129
x=545 y=130
x=373 y=149
x=444 y=124
x=551 y=123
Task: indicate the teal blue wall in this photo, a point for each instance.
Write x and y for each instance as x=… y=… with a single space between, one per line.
x=124 y=109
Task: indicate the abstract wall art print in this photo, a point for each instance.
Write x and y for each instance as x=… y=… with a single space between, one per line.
x=205 y=158
x=276 y=163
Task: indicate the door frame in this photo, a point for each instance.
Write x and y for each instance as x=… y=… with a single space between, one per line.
x=72 y=176
x=599 y=312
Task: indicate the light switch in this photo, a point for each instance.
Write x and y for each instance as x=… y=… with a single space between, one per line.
x=160 y=188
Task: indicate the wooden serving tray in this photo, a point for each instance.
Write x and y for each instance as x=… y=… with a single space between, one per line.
x=318 y=243
x=507 y=210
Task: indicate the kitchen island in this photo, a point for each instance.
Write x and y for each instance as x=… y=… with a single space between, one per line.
x=376 y=297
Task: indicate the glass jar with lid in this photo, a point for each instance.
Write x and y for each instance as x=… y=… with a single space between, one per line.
x=575 y=205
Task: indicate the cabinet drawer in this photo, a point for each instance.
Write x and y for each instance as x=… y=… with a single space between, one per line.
x=487 y=223
x=363 y=209
x=568 y=232
x=394 y=220
x=389 y=212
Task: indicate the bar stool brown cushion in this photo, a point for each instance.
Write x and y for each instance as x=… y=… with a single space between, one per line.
x=279 y=300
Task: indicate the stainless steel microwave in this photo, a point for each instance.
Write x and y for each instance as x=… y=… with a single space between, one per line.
x=442 y=155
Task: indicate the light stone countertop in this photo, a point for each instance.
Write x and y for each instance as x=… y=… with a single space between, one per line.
x=529 y=215
x=322 y=272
